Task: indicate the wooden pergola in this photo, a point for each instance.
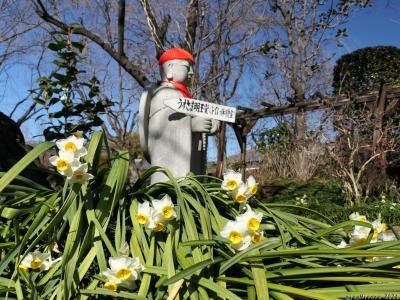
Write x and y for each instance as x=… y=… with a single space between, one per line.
x=382 y=102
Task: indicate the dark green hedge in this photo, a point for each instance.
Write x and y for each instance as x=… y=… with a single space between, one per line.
x=362 y=70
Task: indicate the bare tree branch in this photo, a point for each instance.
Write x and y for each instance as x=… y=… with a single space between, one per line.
x=121 y=26
x=191 y=25
x=155 y=31
x=129 y=67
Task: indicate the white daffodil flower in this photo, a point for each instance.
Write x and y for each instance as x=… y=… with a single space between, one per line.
x=251 y=219
x=123 y=271
x=65 y=163
x=144 y=213
x=237 y=234
x=379 y=228
x=240 y=194
x=113 y=281
x=36 y=261
x=156 y=222
x=80 y=175
x=388 y=236
x=257 y=236
x=232 y=180
x=164 y=208
x=74 y=144
x=357 y=217
x=360 y=234
x=342 y=245
x=251 y=185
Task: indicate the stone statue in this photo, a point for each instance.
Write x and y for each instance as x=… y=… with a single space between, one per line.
x=170 y=139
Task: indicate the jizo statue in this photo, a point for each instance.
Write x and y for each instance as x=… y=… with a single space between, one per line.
x=170 y=139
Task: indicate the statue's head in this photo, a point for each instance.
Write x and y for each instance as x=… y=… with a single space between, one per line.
x=176 y=64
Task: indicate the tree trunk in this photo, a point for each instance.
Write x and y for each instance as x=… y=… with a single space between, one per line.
x=300 y=125
x=221 y=150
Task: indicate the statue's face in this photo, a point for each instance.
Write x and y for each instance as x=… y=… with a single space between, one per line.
x=182 y=70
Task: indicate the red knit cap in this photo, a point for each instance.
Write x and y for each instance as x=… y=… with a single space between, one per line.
x=175 y=53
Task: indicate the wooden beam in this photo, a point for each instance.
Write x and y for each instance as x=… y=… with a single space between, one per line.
x=330 y=102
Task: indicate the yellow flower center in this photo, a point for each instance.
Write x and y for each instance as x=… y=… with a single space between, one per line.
x=142 y=219
x=256 y=237
x=36 y=263
x=253 y=189
x=362 y=219
x=70 y=146
x=253 y=224
x=240 y=198
x=167 y=212
x=376 y=233
x=384 y=227
x=79 y=175
x=23 y=268
x=159 y=227
x=111 y=285
x=62 y=165
x=231 y=184
x=235 y=237
x=123 y=273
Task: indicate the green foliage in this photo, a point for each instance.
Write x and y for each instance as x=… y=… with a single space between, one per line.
x=89 y=223
x=73 y=103
x=363 y=70
x=279 y=137
x=326 y=197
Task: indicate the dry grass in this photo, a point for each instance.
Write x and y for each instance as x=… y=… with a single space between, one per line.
x=299 y=162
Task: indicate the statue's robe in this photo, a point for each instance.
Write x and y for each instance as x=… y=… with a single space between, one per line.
x=171 y=142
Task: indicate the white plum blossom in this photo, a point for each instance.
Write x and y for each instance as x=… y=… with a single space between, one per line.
x=123 y=271
x=231 y=181
x=80 y=175
x=65 y=162
x=74 y=144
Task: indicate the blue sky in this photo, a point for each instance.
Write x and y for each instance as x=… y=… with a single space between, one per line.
x=373 y=26
x=376 y=25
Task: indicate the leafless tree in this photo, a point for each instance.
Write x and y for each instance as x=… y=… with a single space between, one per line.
x=216 y=32
x=353 y=152
x=297 y=34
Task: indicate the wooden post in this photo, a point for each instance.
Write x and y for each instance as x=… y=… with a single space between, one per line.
x=242 y=129
x=243 y=156
x=379 y=113
x=377 y=170
x=221 y=146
